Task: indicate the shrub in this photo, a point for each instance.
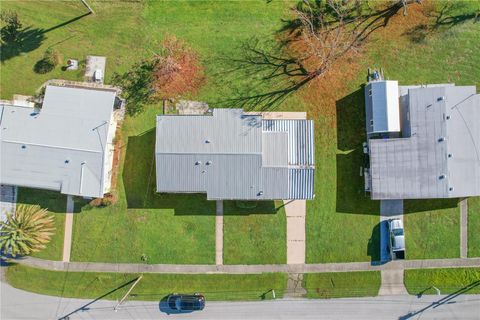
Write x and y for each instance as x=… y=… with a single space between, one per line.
x=50 y=60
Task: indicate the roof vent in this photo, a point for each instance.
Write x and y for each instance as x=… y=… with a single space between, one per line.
x=442 y=177
x=442 y=139
x=442 y=98
x=67 y=161
x=450 y=189
x=260 y=193
x=448 y=117
x=449 y=155
x=24 y=147
x=207 y=141
x=208 y=163
x=198 y=163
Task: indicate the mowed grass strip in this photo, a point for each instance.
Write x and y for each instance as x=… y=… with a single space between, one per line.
x=56 y=203
x=432 y=228
x=474 y=227
x=256 y=235
x=152 y=287
x=451 y=280
x=342 y=284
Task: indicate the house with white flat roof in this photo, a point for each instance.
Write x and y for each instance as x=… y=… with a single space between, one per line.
x=66 y=145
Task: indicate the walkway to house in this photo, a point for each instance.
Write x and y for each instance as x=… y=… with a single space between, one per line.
x=219 y=233
x=463 y=228
x=296 y=212
x=67 y=238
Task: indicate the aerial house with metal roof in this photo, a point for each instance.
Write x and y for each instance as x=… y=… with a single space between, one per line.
x=423 y=143
x=66 y=145
x=229 y=154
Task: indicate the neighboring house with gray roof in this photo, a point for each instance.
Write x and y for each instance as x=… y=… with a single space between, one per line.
x=436 y=154
x=65 y=146
x=228 y=154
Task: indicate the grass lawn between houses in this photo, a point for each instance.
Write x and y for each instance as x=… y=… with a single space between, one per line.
x=342 y=284
x=474 y=227
x=451 y=280
x=152 y=287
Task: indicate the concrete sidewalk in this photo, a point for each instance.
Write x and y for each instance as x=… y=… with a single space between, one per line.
x=463 y=228
x=245 y=269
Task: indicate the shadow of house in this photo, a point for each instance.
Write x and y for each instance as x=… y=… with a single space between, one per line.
x=54 y=201
x=351 y=196
x=422 y=205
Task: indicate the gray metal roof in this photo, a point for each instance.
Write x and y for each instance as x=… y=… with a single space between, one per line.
x=62 y=147
x=230 y=155
x=439 y=153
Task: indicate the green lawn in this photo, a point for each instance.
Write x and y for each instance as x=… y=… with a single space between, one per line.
x=342 y=284
x=48 y=24
x=153 y=287
x=474 y=227
x=254 y=236
x=432 y=229
x=455 y=280
x=166 y=228
x=56 y=204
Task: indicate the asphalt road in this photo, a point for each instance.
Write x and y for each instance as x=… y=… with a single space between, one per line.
x=17 y=304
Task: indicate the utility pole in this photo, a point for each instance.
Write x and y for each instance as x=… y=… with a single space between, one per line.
x=126 y=294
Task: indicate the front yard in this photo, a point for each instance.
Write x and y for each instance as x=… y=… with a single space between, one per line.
x=474 y=227
x=256 y=235
x=432 y=229
x=56 y=204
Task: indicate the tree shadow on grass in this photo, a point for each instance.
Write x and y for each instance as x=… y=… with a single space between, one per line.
x=351 y=196
x=443 y=18
x=29 y=39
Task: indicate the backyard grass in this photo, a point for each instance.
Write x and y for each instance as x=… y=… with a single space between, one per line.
x=254 y=236
x=474 y=227
x=112 y=32
x=454 y=280
x=56 y=204
x=152 y=287
x=342 y=284
x=432 y=229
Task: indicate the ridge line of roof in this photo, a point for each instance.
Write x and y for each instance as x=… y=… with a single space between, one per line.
x=51 y=146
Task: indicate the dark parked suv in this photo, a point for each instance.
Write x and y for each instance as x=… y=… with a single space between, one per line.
x=186 y=302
